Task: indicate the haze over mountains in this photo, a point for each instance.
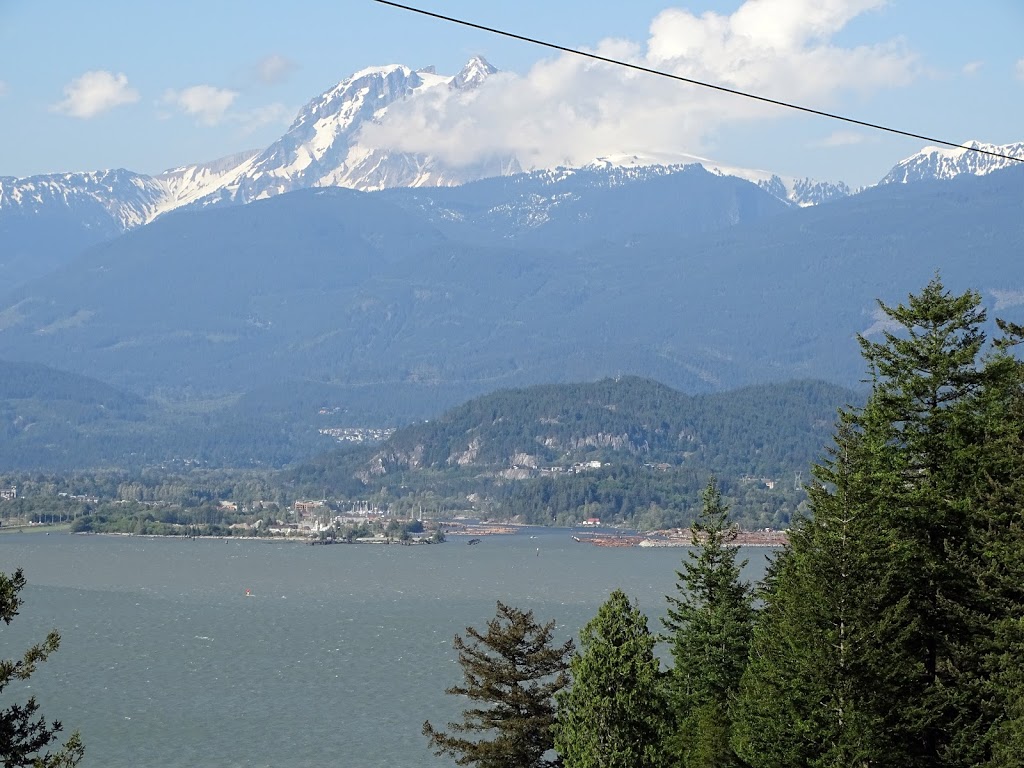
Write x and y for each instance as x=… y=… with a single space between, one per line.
x=260 y=276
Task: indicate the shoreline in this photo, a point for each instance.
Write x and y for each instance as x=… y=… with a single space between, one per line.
x=618 y=540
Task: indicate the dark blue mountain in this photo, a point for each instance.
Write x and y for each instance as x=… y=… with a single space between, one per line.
x=389 y=301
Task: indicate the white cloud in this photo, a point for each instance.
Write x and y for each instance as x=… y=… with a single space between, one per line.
x=96 y=92
x=973 y=67
x=274 y=68
x=206 y=103
x=1020 y=69
x=1007 y=298
x=882 y=324
x=842 y=139
x=571 y=110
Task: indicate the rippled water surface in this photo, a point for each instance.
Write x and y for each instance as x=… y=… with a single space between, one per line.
x=336 y=658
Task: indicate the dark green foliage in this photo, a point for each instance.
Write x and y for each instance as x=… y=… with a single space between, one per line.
x=924 y=384
x=813 y=693
x=890 y=631
x=709 y=624
x=614 y=715
x=512 y=674
x=995 y=473
x=25 y=735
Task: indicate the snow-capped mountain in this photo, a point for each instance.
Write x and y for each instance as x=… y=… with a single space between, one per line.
x=101 y=199
x=322 y=149
x=940 y=163
x=802 y=192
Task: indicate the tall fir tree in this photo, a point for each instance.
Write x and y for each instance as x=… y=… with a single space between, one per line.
x=814 y=691
x=512 y=673
x=614 y=715
x=880 y=636
x=993 y=469
x=709 y=622
x=926 y=381
x=25 y=735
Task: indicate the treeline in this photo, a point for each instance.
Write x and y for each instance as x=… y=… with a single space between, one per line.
x=157 y=501
x=647 y=497
x=888 y=632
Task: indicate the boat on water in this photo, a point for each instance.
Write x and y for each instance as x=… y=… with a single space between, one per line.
x=474 y=541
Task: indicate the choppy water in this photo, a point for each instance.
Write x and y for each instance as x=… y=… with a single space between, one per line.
x=337 y=658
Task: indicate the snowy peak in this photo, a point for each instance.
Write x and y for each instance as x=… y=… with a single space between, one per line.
x=941 y=163
x=358 y=97
x=802 y=192
x=322 y=147
x=805 y=192
x=477 y=70
x=98 y=197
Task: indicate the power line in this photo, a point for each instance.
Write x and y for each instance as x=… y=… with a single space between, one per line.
x=691 y=81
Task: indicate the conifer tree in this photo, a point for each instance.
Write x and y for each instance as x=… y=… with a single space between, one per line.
x=814 y=691
x=993 y=470
x=926 y=381
x=25 y=735
x=614 y=715
x=878 y=632
x=709 y=624
x=512 y=672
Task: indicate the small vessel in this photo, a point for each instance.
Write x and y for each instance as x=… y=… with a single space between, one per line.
x=473 y=541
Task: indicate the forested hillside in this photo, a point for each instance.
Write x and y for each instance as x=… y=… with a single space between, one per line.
x=627 y=450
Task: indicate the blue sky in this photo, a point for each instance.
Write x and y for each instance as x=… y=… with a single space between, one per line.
x=149 y=86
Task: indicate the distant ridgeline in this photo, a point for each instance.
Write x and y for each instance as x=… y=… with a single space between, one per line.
x=625 y=450
x=56 y=420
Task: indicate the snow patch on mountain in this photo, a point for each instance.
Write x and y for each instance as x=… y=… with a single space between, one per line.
x=187 y=184
x=802 y=192
x=128 y=199
x=941 y=163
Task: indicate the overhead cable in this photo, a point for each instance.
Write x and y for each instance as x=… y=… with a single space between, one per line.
x=691 y=81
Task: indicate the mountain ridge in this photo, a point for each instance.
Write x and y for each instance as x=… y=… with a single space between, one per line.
x=700 y=281
x=45 y=220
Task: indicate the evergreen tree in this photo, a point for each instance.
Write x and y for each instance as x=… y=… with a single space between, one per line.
x=614 y=715
x=512 y=673
x=816 y=691
x=25 y=735
x=891 y=634
x=710 y=623
x=994 y=473
x=926 y=382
